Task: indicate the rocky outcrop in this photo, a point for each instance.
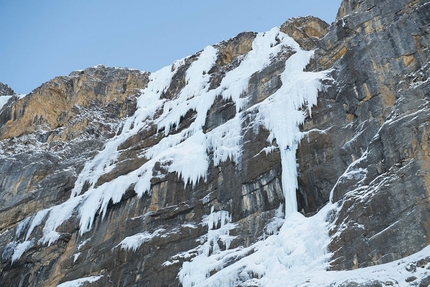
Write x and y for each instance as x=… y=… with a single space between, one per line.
x=63 y=106
x=5 y=90
x=307 y=31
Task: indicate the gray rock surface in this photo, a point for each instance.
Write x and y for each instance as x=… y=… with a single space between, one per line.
x=367 y=140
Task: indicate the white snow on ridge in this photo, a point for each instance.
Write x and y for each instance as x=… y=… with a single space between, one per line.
x=392 y=274
x=4 y=100
x=135 y=241
x=80 y=282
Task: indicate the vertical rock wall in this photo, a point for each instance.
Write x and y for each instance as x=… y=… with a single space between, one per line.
x=367 y=140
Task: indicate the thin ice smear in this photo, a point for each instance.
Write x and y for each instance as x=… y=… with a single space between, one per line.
x=20 y=249
x=135 y=241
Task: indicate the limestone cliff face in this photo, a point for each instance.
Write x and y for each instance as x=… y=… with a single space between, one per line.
x=106 y=93
x=365 y=149
x=367 y=141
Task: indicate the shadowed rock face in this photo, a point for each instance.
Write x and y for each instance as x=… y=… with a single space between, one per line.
x=366 y=144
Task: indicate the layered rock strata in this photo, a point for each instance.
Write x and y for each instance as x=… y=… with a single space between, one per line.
x=367 y=140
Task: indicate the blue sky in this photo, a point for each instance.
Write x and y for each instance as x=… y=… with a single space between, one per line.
x=44 y=39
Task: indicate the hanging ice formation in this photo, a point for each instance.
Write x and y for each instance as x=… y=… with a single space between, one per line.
x=300 y=245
